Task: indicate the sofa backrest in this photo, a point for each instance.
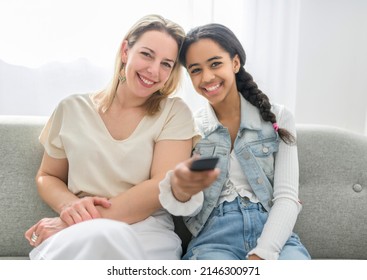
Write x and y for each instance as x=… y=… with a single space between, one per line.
x=333 y=188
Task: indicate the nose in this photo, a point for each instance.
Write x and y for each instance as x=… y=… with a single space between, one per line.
x=153 y=69
x=208 y=75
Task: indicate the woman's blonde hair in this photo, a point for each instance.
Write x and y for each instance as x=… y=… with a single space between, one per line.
x=147 y=23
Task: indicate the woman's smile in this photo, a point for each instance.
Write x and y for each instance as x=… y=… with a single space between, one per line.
x=145 y=81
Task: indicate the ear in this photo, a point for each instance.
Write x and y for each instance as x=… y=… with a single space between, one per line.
x=236 y=62
x=124 y=50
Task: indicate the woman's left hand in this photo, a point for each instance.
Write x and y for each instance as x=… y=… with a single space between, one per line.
x=42 y=230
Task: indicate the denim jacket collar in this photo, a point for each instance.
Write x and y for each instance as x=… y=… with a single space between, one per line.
x=250 y=117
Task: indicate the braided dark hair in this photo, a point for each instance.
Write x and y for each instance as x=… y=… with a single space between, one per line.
x=246 y=85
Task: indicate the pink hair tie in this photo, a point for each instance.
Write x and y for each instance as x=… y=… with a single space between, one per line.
x=276 y=127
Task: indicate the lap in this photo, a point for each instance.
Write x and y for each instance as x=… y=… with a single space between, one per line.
x=109 y=239
x=231 y=232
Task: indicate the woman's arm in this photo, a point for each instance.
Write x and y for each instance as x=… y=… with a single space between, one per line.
x=142 y=200
x=51 y=180
x=132 y=206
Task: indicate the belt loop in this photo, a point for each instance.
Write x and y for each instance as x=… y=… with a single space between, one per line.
x=239 y=201
x=220 y=209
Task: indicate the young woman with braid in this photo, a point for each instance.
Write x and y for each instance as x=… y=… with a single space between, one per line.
x=247 y=207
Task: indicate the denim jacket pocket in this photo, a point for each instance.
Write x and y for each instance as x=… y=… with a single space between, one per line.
x=264 y=154
x=204 y=149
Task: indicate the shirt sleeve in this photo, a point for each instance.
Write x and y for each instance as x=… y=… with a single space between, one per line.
x=286 y=205
x=180 y=124
x=172 y=205
x=50 y=135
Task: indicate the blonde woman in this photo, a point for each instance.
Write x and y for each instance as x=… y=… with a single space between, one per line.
x=105 y=154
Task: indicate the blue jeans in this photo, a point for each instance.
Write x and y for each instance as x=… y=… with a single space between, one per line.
x=232 y=231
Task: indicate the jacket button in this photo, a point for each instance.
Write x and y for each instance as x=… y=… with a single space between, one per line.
x=357 y=188
x=265 y=150
x=259 y=181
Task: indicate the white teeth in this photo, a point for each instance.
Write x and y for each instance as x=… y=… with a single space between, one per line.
x=146 y=81
x=213 y=87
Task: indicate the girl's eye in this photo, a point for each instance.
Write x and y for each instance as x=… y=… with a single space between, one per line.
x=195 y=71
x=216 y=64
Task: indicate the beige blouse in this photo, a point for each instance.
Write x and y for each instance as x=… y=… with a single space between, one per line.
x=99 y=164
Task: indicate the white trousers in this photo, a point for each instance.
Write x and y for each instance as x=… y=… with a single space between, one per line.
x=104 y=239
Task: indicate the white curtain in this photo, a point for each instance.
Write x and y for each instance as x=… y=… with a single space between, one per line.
x=302 y=53
x=51 y=49
x=271 y=40
x=268 y=30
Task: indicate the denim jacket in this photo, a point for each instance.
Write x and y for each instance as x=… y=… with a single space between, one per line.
x=254 y=146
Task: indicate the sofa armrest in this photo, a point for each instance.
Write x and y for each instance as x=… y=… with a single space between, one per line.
x=20 y=205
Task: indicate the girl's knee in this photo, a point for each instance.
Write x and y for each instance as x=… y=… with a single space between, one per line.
x=294 y=250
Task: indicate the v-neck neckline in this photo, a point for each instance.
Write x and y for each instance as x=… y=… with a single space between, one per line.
x=102 y=123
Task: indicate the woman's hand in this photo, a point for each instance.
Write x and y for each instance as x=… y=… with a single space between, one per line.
x=83 y=209
x=42 y=230
x=185 y=183
x=254 y=257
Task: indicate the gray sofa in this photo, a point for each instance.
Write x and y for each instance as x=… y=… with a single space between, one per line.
x=333 y=189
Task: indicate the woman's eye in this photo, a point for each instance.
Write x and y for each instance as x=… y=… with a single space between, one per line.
x=166 y=64
x=146 y=54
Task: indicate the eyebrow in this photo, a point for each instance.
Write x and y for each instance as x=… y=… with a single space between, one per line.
x=153 y=52
x=209 y=60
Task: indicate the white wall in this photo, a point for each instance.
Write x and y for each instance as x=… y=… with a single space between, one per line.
x=332 y=64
